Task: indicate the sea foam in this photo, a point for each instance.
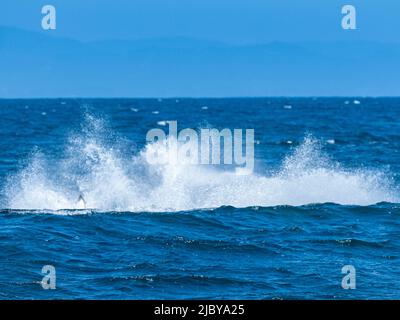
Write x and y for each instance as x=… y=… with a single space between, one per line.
x=111 y=181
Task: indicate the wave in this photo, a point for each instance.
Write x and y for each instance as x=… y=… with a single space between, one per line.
x=112 y=181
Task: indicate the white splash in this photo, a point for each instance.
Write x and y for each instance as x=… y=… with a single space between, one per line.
x=111 y=181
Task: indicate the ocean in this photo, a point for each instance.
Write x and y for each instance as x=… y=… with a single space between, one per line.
x=324 y=194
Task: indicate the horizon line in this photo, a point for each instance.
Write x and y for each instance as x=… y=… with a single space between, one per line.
x=207 y=97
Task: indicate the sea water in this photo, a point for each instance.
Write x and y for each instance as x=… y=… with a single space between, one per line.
x=323 y=194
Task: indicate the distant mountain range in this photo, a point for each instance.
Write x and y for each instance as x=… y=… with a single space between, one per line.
x=40 y=65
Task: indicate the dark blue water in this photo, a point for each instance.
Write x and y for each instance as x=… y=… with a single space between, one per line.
x=324 y=194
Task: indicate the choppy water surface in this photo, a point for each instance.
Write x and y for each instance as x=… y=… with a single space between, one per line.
x=324 y=194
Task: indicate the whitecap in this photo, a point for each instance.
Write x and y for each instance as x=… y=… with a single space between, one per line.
x=114 y=181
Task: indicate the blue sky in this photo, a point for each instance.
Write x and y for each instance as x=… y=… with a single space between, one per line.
x=233 y=21
x=257 y=48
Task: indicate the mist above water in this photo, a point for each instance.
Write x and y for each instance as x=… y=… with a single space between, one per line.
x=112 y=181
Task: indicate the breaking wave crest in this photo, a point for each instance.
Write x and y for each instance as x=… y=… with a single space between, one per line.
x=111 y=181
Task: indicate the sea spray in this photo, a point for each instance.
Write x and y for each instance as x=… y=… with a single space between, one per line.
x=112 y=180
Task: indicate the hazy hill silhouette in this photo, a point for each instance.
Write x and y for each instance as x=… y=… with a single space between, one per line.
x=40 y=65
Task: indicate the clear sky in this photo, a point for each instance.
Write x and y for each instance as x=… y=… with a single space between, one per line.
x=233 y=21
x=301 y=48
